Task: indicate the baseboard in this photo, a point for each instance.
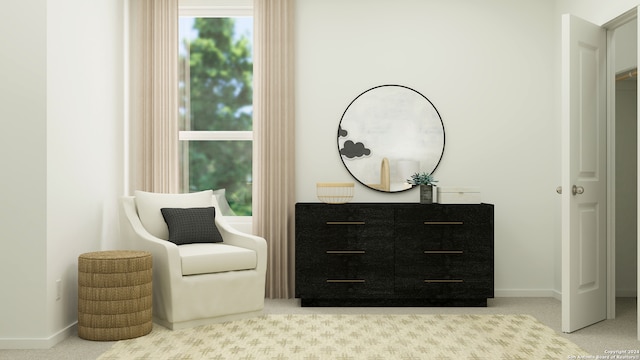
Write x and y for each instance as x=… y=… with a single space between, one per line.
x=44 y=343
x=553 y=293
x=526 y=293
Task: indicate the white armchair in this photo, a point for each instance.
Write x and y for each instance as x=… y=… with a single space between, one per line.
x=198 y=283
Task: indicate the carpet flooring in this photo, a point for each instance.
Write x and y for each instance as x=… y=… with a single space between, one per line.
x=355 y=336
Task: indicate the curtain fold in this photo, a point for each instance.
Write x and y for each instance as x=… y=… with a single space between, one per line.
x=274 y=141
x=153 y=142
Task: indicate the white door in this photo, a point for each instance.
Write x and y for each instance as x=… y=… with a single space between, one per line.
x=584 y=170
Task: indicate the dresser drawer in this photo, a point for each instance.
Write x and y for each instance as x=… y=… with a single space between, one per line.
x=439 y=227
x=410 y=238
x=411 y=242
x=439 y=214
x=444 y=288
x=348 y=237
x=326 y=214
x=346 y=273
x=339 y=227
x=447 y=264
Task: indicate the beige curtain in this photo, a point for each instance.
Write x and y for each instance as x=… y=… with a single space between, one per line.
x=153 y=77
x=273 y=126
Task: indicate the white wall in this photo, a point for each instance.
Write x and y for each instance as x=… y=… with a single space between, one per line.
x=23 y=161
x=487 y=66
x=63 y=159
x=625 y=45
x=84 y=147
x=626 y=188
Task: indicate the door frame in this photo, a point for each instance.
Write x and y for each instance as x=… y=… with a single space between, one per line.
x=610 y=26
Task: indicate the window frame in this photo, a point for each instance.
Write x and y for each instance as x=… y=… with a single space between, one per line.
x=216 y=9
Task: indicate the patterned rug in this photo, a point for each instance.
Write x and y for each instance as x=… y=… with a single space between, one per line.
x=346 y=337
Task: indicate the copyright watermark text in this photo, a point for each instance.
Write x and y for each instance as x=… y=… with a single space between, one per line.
x=610 y=355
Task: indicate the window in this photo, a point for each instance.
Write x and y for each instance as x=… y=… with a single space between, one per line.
x=216 y=96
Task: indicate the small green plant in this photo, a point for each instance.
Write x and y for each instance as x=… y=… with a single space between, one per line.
x=422 y=179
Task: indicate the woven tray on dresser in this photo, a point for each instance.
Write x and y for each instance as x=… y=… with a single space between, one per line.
x=114 y=295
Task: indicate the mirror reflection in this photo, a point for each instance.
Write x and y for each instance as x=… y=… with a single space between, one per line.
x=387 y=134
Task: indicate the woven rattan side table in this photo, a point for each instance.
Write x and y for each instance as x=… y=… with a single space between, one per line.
x=114 y=295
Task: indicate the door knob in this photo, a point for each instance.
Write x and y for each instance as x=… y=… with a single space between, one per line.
x=577 y=190
x=559 y=190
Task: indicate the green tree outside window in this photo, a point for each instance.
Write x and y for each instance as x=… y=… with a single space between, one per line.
x=216 y=74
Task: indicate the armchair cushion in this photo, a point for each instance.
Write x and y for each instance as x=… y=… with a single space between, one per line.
x=149 y=204
x=214 y=258
x=192 y=225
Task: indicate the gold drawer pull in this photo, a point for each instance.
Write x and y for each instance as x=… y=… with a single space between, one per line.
x=443 y=252
x=345 y=281
x=444 y=222
x=443 y=280
x=345 y=251
x=345 y=222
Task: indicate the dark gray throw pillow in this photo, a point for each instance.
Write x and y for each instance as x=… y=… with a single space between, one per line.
x=191 y=225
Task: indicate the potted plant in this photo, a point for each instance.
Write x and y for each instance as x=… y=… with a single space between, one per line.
x=426 y=182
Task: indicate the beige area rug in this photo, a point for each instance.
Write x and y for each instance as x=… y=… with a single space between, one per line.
x=346 y=337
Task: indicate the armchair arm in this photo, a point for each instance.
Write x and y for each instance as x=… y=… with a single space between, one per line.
x=167 y=266
x=138 y=238
x=234 y=237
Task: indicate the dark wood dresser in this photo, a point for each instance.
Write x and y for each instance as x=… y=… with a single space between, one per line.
x=394 y=254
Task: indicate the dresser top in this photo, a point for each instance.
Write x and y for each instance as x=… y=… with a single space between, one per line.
x=389 y=204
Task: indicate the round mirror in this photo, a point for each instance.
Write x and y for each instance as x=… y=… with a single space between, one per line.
x=389 y=133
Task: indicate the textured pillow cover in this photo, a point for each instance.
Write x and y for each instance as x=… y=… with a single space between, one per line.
x=192 y=225
x=149 y=204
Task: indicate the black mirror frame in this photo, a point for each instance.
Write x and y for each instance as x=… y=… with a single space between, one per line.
x=340 y=133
